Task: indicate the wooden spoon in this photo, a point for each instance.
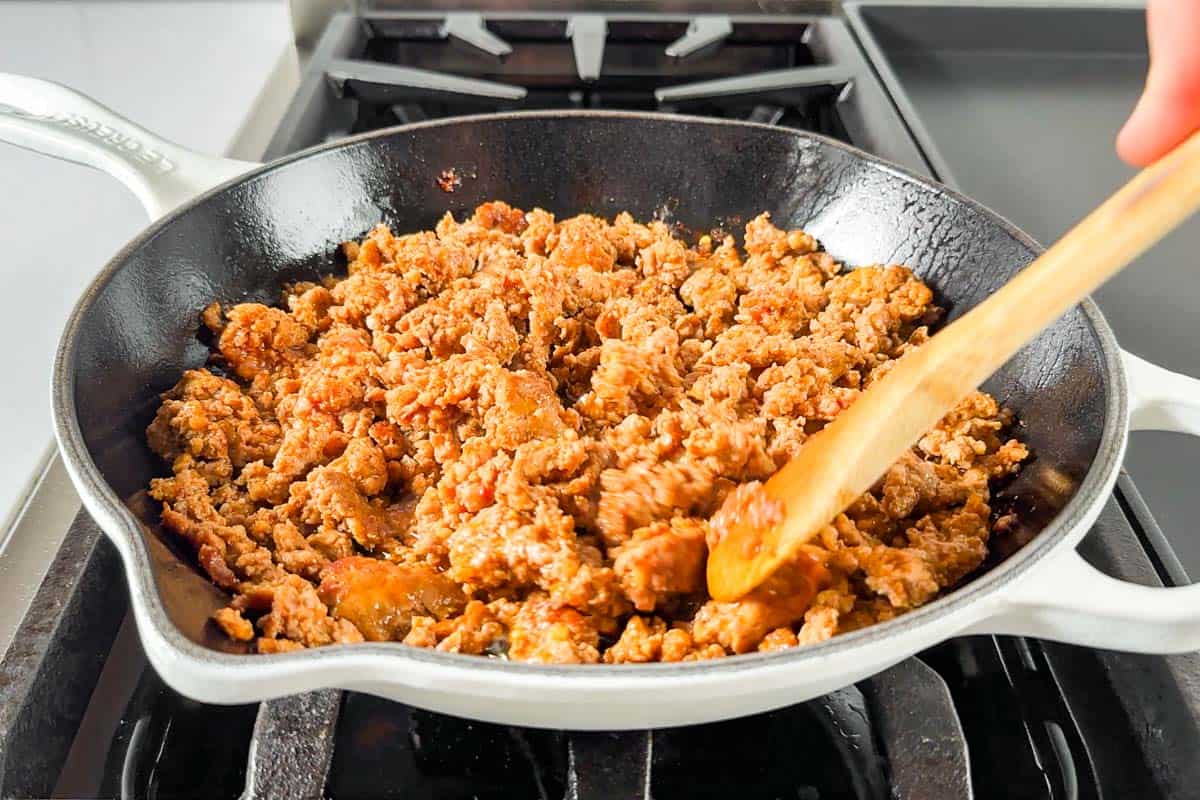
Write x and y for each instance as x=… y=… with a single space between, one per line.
x=850 y=454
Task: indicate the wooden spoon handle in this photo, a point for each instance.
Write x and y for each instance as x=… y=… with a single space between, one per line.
x=856 y=449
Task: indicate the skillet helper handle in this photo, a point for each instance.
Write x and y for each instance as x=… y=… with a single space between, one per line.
x=1072 y=601
x=51 y=119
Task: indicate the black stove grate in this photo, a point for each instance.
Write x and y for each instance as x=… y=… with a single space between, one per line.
x=435 y=756
x=164 y=746
x=387 y=69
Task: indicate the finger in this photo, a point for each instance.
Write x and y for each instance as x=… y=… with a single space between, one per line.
x=1169 y=108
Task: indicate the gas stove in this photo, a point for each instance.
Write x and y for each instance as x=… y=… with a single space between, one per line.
x=83 y=715
x=394 y=66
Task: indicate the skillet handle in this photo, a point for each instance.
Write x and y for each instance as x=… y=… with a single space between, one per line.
x=1071 y=601
x=51 y=119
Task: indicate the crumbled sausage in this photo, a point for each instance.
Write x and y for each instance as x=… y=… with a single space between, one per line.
x=234 y=624
x=506 y=436
x=381 y=598
x=661 y=560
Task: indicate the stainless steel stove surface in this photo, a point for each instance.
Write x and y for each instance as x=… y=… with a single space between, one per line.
x=82 y=715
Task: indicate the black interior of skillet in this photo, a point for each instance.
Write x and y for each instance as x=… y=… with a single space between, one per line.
x=141 y=330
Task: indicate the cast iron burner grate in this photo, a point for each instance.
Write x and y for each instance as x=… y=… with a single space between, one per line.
x=384 y=69
x=458 y=758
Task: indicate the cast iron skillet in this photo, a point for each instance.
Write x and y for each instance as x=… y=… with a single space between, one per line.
x=136 y=329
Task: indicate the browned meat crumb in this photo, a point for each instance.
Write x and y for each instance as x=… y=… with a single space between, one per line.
x=234 y=624
x=298 y=613
x=778 y=639
x=448 y=180
x=781 y=600
x=381 y=598
x=547 y=631
x=506 y=436
x=640 y=642
x=660 y=561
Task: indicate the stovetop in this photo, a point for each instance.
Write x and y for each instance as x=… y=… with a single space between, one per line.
x=394 y=66
x=83 y=715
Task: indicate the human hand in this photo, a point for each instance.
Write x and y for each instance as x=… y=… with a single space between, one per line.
x=1169 y=109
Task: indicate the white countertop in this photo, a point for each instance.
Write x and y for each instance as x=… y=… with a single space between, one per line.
x=213 y=76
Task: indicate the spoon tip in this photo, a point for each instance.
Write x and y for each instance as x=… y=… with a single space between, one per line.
x=730 y=574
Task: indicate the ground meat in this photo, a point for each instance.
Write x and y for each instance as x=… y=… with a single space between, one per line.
x=913 y=483
x=258 y=339
x=662 y=560
x=298 y=613
x=210 y=424
x=331 y=499
x=381 y=598
x=552 y=633
x=780 y=600
x=640 y=642
x=481 y=628
x=778 y=639
x=234 y=624
x=506 y=437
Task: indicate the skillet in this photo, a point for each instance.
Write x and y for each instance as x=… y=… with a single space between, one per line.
x=234 y=231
